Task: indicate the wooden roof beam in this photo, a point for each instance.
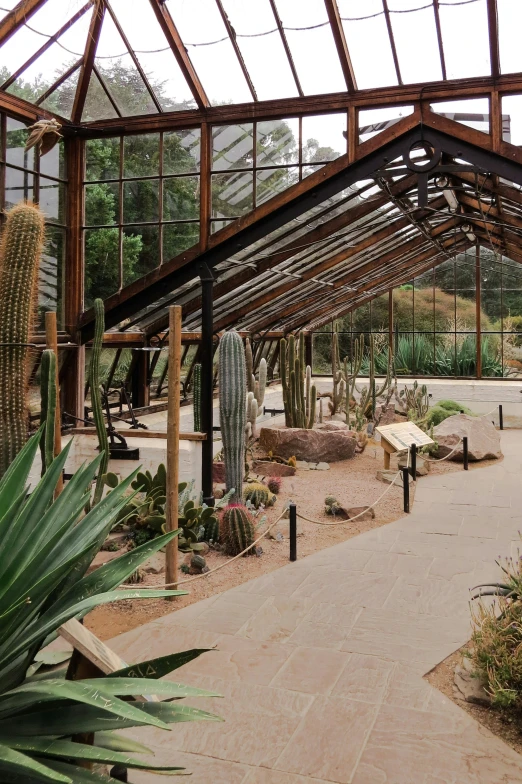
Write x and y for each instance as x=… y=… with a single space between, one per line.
x=494 y=49
x=20 y=14
x=88 y=61
x=336 y=24
x=180 y=53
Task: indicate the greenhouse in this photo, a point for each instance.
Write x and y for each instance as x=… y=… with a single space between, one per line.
x=260 y=276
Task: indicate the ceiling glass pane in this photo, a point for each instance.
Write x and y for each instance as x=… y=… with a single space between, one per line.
x=277 y=142
x=313 y=50
x=264 y=55
x=61 y=100
x=97 y=105
x=471 y=19
x=512 y=119
x=473 y=112
x=233 y=146
x=509 y=22
x=415 y=37
x=373 y=65
x=210 y=50
x=154 y=54
x=374 y=121
x=323 y=137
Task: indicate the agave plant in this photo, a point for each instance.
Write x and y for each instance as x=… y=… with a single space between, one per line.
x=46 y=548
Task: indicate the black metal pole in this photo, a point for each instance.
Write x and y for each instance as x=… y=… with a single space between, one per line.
x=500 y=418
x=465 y=452
x=406 y=489
x=413 y=451
x=207 y=375
x=293 y=532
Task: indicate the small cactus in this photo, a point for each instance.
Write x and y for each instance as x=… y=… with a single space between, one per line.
x=211 y=529
x=258 y=493
x=331 y=505
x=274 y=484
x=197 y=397
x=238 y=530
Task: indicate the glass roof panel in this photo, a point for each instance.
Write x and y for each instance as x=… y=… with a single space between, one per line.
x=120 y=74
x=374 y=121
x=472 y=18
x=473 y=112
x=312 y=46
x=363 y=23
x=61 y=100
x=97 y=105
x=415 y=37
x=206 y=39
x=264 y=54
x=154 y=54
x=509 y=23
x=323 y=138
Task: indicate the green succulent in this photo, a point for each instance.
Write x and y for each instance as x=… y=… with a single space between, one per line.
x=192 y=521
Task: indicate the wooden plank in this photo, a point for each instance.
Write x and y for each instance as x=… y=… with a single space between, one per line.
x=20 y=14
x=171 y=508
x=180 y=53
x=494 y=49
x=336 y=24
x=88 y=61
x=128 y=433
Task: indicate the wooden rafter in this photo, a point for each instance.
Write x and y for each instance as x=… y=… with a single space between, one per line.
x=494 y=49
x=20 y=14
x=88 y=60
x=286 y=47
x=106 y=90
x=180 y=53
x=336 y=24
x=232 y=35
x=392 y=40
x=440 y=42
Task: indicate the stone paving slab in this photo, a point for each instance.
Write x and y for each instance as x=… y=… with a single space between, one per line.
x=320 y=663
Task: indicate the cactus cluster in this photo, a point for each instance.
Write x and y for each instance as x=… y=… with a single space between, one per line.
x=20 y=251
x=96 y=400
x=237 y=530
x=232 y=409
x=299 y=394
x=414 y=401
x=197 y=397
x=193 y=520
x=258 y=494
x=256 y=391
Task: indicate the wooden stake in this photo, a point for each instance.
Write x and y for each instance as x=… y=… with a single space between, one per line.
x=51 y=342
x=171 y=568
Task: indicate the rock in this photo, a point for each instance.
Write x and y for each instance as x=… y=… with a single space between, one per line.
x=218 y=472
x=101 y=558
x=423 y=467
x=283 y=528
x=322 y=467
x=361 y=512
x=312 y=466
x=267 y=468
x=388 y=477
x=317 y=445
x=303 y=465
x=333 y=426
x=155 y=564
x=204 y=548
x=218 y=492
x=483 y=438
x=386 y=414
x=470 y=689
x=337 y=418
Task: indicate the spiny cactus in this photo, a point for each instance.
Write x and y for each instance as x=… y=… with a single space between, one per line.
x=299 y=395
x=339 y=381
x=96 y=400
x=48 y=406
x=237 y=530
x=370 y=394
x=249 y=360
x=232 y=409
x=274 y=484
x=414 y=400
x=251 y=416
x=258 y=493
x=211 y=529
x=197 y=397
x=260 y=384
x=20 y=251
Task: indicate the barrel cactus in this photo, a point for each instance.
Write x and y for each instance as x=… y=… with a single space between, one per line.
x=20 y=251
x=197 y=397
x=232 y=409
x=258 y=493
x=237 y=530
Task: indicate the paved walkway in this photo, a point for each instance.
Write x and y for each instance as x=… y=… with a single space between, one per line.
x=320 y=663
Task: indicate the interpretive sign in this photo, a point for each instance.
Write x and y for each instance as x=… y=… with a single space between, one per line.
x=400 y=436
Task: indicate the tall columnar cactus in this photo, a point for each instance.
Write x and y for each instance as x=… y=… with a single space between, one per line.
x=370 y=394
x=339 y=381
x=96 y=399
x=249 y=359
x=232 y=409
x=414 y=401
x=260 y=384
x=299 y=395
x=237 y=530
x=48 y=406
x=20 y=251
x=197 y=397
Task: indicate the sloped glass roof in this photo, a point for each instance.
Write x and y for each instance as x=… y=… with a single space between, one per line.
x=152 y=56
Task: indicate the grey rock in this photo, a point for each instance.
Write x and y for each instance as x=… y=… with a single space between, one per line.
x=423 y=467
x=361 y=512
x=390 y=477
x=322 y=467
x=303 y=465
x=483 y=438
x=471 y=689
x=267 y=468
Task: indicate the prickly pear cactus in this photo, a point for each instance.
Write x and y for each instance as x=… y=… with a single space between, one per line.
x=238 y=530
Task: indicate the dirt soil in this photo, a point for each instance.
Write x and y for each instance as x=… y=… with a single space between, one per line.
x=497 y=722
x=352 y=482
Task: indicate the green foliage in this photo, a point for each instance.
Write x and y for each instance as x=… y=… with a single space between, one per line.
x=48 y=407
x=96 y=399
x=331 y=505
x=299 y=395
x=193 y=520
x=46 y=548
x=444 y=409
x=232 y=408
x=211 y=529
x=20 y=251
x=237 y=530
x=197 y=397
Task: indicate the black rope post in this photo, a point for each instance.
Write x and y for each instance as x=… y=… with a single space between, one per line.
x=293 y=531
x=207 y=379
x=500 y=418
x=465 y=452
x=413 y=460
x=406 y=488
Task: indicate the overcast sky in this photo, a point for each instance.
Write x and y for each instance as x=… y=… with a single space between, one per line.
x=464 y=31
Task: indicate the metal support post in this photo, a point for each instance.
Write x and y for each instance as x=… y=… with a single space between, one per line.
x=413 y=460
x=207 y=377
x=406 y=489
x=293 y=532
x=500 y=418
x=465 y=452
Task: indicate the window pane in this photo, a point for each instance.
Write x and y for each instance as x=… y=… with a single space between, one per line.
x=52 y=163
x=102 y=159
x=52 y=200
x=232 y=147
x=323 y=138
x=374 y=121
x=472 y=17
x=16 y=138
x=102 y=273
x=141 y=252
x=512 y=119
x=232 y=194
x=101 y=204
x=424 y=303
x=509 y=20
x=491 y=294
x=181 y=151
x=50 y=275
x=181 y=198
x=177 y=237
x=277 y=142
x=270 y=182
x=322 y=353
x=18 y=186
x=141 y=155
x=403 y=307
x=473 y=113
x=140 y=201
x=418 y=53
x=370 y=71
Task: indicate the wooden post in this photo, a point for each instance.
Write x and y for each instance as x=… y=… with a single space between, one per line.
x=51 y=341
x=171 y=566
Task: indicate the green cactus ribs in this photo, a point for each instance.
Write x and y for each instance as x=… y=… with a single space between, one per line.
x=232 y=409
x=237 y=530
x=299 y=394
x=20 y=252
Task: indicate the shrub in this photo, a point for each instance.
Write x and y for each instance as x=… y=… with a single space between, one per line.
x=444 y=409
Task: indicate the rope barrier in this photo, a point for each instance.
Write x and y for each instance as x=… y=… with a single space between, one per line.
x=440 y=459
x=489 y=412
x=220 y=566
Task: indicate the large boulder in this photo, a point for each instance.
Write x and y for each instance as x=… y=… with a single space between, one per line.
x=483 y=438
x=315 y=446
